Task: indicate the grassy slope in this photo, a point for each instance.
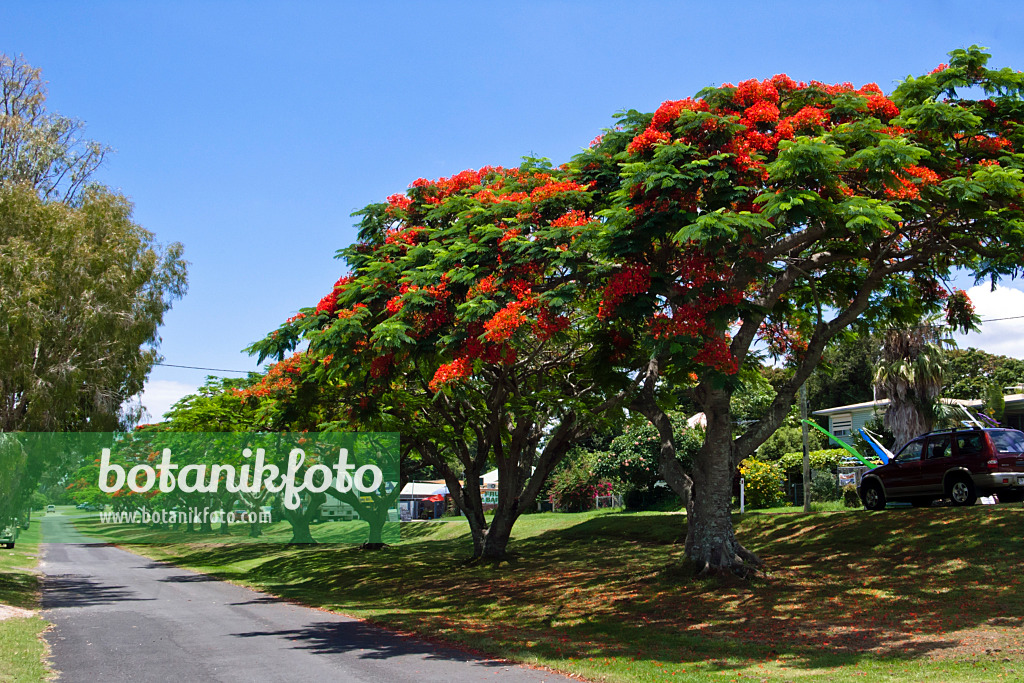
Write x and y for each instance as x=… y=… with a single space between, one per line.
x=914 y=594
x=21 y=648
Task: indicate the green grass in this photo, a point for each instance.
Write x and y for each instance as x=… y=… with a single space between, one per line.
x=22 y=650
x=912 y=594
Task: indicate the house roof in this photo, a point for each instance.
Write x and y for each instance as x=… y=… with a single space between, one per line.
x=883 y=402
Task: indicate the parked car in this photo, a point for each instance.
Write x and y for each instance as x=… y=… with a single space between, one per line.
x=8 y=535
x=51 y=508
x=959 y=464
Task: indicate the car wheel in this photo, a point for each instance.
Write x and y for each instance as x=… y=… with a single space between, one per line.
x=961 y=491
x=874 y=497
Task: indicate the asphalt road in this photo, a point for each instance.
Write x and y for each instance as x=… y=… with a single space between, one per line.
x=121 y=617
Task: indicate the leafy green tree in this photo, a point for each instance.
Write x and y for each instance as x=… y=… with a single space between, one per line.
x=83 y=291
x=782 y=213
x=83 y=288
x=845 y=374
x=40 y=149
x=970 y=371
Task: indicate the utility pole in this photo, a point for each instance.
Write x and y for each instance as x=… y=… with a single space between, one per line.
x=807 y=453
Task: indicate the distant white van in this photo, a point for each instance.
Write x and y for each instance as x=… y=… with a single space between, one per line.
x=51 y=508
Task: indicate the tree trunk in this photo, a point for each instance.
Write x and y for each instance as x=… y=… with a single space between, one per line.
x=300 y=519
x=498 y=534
x=224 y=531
x=710 y=541
x=300 y=527
x=375 y=539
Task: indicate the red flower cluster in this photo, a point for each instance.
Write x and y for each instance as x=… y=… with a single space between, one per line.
x=715 y=354
x=434 y=192
x=509 y=235
x=992 y=145
x=572 y=219
x=460 y=368
x=761 y=112
x=506 y=321
x=548 y=324
x=882 y=107
x=381 y=365
x=666 y=115
x=486 y=285
x=959 y=310
x=280 y=377
x=398 y=201
x=908 y=188
x=407 y=236
x=552 y=189
x=394 y=304
x=330 y=302
x=630 y=281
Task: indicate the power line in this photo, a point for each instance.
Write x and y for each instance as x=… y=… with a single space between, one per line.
x=245 y=372
x=995 y=320
x=193 y=367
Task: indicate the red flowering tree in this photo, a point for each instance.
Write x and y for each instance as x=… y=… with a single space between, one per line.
x=769 y=216
x=464 y=326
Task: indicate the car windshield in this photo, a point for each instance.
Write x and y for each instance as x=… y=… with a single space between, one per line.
x=911 y=452
x=1008 y=441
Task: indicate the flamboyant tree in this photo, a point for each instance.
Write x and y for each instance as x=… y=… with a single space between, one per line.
x=778 y=213
x=464 y=326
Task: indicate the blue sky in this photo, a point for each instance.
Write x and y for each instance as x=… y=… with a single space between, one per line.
x=249 y=131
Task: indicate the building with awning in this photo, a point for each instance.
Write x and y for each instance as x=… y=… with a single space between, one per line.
x=422 y=500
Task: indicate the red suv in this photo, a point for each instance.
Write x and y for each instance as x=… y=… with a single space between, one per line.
x=959 y=464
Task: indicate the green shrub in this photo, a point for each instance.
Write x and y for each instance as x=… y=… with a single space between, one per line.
x=828 y=459
x=788 y=439
x=823 y=486
x=762 y=483
x=850 y=497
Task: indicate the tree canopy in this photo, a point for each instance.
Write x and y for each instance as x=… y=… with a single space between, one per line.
x=781 y=212
x=464 y=324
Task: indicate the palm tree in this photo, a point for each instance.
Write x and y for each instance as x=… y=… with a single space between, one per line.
x=910 y=373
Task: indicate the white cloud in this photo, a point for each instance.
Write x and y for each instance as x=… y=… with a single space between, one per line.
x=1002 y=337
x=159 y=395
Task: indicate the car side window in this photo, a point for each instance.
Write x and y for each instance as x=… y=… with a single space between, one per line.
x=911 y=453
x=939 y=446
x=1008 y=441
x=970 y=444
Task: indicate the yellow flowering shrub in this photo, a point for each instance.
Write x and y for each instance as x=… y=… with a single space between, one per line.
x=762 y=483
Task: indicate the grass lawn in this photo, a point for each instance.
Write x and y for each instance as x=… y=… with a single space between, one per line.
x=21 y=648
x=904 y=594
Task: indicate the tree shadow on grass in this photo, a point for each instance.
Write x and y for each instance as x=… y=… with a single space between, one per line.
x=18 y=589
x=843 y=589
